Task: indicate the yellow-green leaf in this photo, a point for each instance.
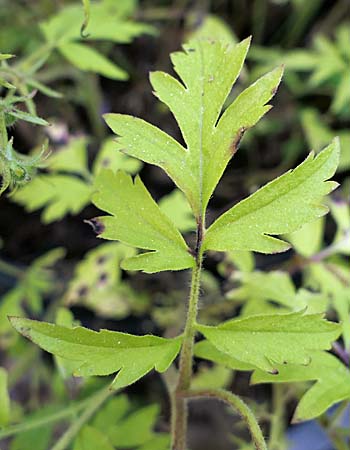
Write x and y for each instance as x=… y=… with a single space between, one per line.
x=104 y=352
x=137 y=220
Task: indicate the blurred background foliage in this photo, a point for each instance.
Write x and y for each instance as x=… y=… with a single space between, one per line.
x=52 y=267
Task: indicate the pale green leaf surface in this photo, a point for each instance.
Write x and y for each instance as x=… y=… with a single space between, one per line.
x=197 y=105
x=274 y=285
x=4 y=398
x=206 y=350
x=108 y=21
x=71 y=158
x=88 y=59
x=242 y=260
x=112 y=412
x=57 y=194
x=109 y=158
x=90 y=438
x=137 y=220
x=97 y=283
x=309 y=238
x=65 y=318
x=342 y=94
x=216 y=377
x=176 y=207
x=104 y=352
x=314 y=302
x=267 y=340
x=332 y=383
x=136 y=429
x=282 y=206
x=36 y=282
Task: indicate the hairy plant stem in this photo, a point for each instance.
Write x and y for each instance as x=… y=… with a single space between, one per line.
x=179 y=402
x=183 y=392
x=238 y=405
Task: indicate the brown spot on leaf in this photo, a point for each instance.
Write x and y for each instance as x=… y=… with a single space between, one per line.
x=274 y=372
x=105 y=162
x=237 y=140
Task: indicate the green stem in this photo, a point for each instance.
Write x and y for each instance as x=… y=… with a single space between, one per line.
x=93 y=405
x=237 y=404
x=179 y=403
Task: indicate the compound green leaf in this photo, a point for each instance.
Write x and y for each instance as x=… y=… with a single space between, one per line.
x=282 y=206
x=197 y=103
x=266 y=340
x=332 y=383
x=137 y=220
x=104 y=352
x=57 y=194
x=88 y=59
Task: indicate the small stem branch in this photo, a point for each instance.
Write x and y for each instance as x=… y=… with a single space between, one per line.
x=238 y=405
x=93 y=405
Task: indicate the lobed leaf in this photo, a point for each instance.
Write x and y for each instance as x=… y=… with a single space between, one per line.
x=282 y=206
x=137 y=220
x=197 y=103
x=268 y=340
x=104 y=352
